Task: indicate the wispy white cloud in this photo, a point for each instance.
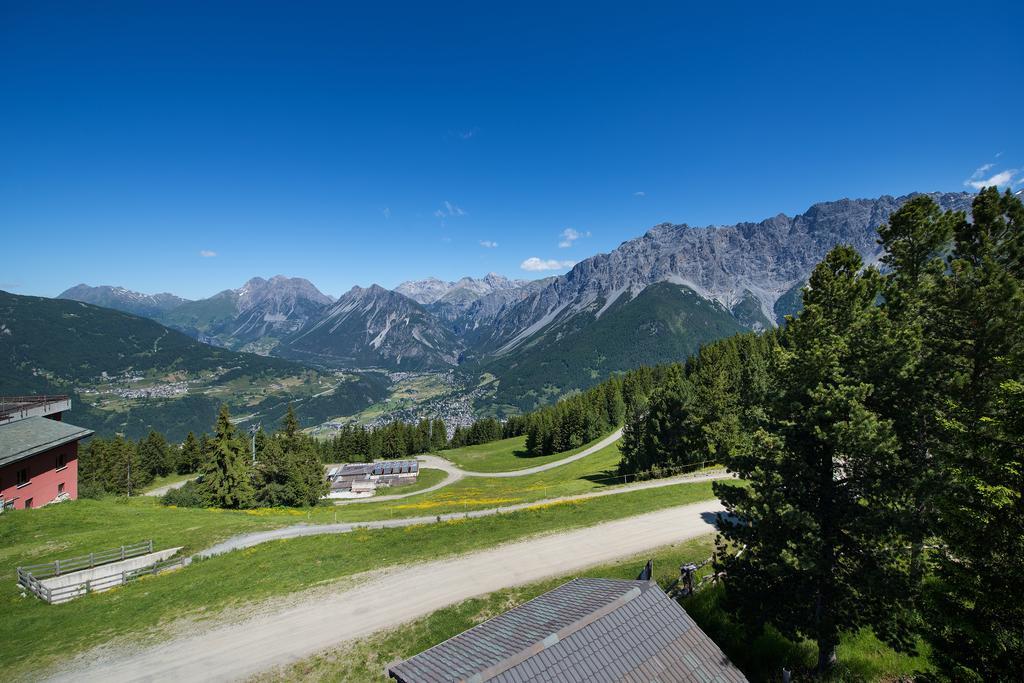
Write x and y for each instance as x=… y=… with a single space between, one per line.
x=1001 y=179
x=640 y=194
x=979 y=180
x=535 y=264
x=206 y=253
x=569 y=235
x=387 y=212
x=488 y=244
x=448 y=210
x=468 y=134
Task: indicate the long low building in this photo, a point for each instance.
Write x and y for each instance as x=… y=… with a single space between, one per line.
x=362 y=479
x=38 y=452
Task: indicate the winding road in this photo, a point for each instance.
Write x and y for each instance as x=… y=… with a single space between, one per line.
x=238 y=650
x=456 y=473
x=314 y=622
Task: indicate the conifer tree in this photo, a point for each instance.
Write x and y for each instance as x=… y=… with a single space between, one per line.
x=975 y=616
x=191 y=456
x=438 y=435
x=155 y=455
x=227 y=477
x=821 y=554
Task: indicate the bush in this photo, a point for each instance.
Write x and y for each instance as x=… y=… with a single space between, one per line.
x=187 y=496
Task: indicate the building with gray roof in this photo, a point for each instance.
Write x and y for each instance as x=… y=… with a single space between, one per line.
x=38 y=451
x=587 y=630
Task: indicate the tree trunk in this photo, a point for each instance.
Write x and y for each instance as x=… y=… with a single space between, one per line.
x=826 y=656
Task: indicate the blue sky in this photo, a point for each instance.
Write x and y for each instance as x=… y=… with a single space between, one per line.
x=187 y=147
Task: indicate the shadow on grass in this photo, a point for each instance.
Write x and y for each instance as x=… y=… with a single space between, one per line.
x=605 y=478
x=762 y=655
x=525 y=454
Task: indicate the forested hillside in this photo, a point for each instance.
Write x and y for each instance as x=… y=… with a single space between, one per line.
x=662 y=324
x=130 y=375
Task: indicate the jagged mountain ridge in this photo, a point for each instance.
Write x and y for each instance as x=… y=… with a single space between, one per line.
x=747 y=267
x=752 y=272
x=125 y=300
x=254 y=317
x=376 y=327
x=432 y=290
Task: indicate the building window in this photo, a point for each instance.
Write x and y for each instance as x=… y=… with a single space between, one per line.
x=28 y=503
x=8 y=505
x=22 y=476
x=61 y=464
x=60 y=488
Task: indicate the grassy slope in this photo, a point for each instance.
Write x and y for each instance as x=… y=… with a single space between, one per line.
x=506 y=455
x=594 y=472
x=862 y=657
x=243 y=577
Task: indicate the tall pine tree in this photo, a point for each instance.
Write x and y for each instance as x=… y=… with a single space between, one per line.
x=227 y=475
x=820 y=554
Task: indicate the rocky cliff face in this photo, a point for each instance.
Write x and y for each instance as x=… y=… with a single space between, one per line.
x=121 y=299
x=276 y=307
x=750 y=272
x=745 y=267
x=254 y=317
x=375 y=327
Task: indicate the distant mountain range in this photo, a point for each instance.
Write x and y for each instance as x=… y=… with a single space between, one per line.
x=653 y=299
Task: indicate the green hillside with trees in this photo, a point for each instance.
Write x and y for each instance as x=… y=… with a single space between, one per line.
x=880 y=432
x=100 y=356
x=664 y=323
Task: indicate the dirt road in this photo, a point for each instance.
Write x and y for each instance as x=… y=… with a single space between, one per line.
x=239 y=650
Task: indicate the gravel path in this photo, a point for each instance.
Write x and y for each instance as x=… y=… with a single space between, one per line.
x=249 y=540
x=238 y=650
x=169 y=487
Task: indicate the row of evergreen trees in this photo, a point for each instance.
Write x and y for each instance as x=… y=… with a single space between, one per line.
x=398 y=439
x=122 y=467
x=882 y=436
x=583 y=417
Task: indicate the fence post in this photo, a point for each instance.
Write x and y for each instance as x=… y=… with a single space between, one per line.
x=151 y=545
x=56 y=566
x=124 y=577
x=122 y=552
x=92 y=559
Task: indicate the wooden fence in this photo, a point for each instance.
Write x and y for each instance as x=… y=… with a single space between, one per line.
x=30 y=576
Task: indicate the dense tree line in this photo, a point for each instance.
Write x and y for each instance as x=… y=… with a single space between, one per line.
x=121 y=467
x=357 y=443
x=701 y=410
x=882 y=437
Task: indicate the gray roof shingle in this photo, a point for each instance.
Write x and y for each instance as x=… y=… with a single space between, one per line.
x=24 y=438
x=584 y=630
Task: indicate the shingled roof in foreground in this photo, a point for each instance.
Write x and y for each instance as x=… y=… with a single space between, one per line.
x=584 y=630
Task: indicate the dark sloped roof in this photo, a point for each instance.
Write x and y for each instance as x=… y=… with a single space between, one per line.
x=585 y=630
x=24 y=438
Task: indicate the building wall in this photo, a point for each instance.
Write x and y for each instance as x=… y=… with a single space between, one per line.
x=44 y=477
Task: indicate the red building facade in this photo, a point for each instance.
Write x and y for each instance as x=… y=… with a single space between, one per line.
x=38 y=452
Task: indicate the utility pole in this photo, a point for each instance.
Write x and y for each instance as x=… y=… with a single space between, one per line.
x=252 y=433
